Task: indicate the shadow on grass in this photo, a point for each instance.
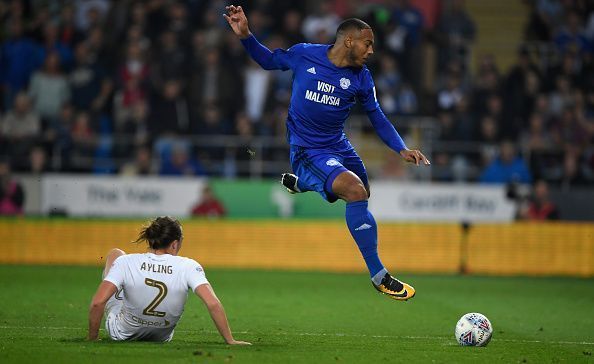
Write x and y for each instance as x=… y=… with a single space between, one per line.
x=201 y=345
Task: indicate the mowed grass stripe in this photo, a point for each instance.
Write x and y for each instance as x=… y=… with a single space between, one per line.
x=439 y=338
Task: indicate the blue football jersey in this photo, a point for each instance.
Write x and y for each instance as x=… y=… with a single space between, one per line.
x=323 y=94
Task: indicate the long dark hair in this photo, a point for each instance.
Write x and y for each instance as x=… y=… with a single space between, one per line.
x=160 y=232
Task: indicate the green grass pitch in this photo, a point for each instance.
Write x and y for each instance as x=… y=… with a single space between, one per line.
x=314 y=317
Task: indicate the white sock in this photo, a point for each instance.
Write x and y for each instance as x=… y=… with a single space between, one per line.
x=377 y=278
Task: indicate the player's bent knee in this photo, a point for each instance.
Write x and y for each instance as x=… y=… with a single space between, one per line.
x=355 y=193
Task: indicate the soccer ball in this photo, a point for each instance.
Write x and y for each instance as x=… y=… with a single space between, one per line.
x=473 y=329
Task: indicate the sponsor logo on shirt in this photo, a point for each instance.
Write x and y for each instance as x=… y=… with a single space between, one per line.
x=322 y=98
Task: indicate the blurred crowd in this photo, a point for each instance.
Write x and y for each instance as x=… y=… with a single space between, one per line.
x=163 y=87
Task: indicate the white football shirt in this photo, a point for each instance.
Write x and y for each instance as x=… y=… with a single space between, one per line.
x=152 y=292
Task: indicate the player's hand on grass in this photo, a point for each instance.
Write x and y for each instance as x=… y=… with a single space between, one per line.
x=414 y=156
x=237 y=20
x=237 y=342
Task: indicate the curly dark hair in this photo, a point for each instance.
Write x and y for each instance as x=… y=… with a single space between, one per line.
x=160 y=232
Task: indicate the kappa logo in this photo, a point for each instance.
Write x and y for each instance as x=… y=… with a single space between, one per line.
x=332 y=162
x=364 y=227
x=345 y=83
x=312 y=70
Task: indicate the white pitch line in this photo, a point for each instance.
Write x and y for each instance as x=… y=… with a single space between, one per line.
x=322 y=334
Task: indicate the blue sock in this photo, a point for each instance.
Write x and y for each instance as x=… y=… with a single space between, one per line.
x=364 y=230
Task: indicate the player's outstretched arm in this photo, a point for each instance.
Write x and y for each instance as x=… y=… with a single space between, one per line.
x=279 y=60
x=217 y=313
x=386 y=131
x=237 y=21
x=106 y=289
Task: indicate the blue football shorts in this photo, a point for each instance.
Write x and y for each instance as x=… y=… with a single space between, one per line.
x=318 y=167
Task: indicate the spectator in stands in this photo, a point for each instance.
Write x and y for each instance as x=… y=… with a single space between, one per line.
x=209 y=205
x=212 y=123
x=256 y=89
x=180 y=164
x=410 y=18
x=488 y=135
x=514 y=93
x=572 y=35
x=571 y=66
x=319 y=26
x=20 y=128
x=508 y=167
x=142 y=165
x=68 y=34
x=168 y=104
x=388 y=83
x=17 y=62
x=455 y=32
x=540 y=206
x=58 y=136
x=568 y=131
x=540 y=24
x=464 y=128
x=49 y=88
x=449 y=97
x=169 y=61
x=38 y=161
x=487 y=83
x=133 y=76
x=21 y=124
x=537 y=137
x=36 y=22
x=53 y=44
x=212 y=82
x=90 y=85
x=83 y=140
x=292 y=27
x=571 y=172
x=99 y=51
x=134 y=126
x=89 y=13
x=135 y=35
x=12 y=195
x=561 y=97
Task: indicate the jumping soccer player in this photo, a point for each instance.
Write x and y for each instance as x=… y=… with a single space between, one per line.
x=327 y=81
x=144 y=295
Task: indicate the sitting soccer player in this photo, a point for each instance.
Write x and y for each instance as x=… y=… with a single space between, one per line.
x=143 y=295
x=327 y=81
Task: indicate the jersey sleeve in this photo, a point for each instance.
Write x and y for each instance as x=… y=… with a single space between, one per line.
x=271 y=60
x=195 y=275
x=367 y=96
x=117 y=272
